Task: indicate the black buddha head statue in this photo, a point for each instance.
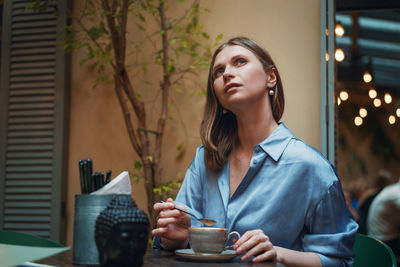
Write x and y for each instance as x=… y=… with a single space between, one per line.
x=121 y=233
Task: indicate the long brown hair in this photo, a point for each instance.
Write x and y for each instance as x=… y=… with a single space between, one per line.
x=218 y=130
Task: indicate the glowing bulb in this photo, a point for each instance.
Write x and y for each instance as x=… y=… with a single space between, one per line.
x=398 y=112
x=358 y=121
x=340 y=101
x=363 y=112
x=367 y=77
x=377 y=102
x=392 y=119
x=326 y=32
x=372 y=93
x=388 y=98
x=327 y=56
x=344 y=95
x=339 y=55
x=339 y=31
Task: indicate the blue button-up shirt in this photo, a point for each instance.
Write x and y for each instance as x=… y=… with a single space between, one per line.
x=290 y=191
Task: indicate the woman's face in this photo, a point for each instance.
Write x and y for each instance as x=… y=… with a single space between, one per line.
x=240 y=79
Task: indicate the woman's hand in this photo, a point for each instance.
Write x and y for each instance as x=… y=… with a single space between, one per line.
x=172 y=225
x=255 y=243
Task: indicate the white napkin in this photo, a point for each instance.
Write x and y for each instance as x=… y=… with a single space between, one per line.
x=119 y=185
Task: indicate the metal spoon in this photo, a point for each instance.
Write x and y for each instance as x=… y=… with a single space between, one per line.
x=207 y=222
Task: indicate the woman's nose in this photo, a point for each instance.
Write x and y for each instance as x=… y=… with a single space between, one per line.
x=227 y=75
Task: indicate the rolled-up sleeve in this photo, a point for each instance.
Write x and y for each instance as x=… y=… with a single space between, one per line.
x=331 y=229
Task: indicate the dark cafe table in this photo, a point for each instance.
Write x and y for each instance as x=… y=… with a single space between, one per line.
x=155 y=258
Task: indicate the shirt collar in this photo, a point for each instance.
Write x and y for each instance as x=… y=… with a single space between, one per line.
x=276 y=143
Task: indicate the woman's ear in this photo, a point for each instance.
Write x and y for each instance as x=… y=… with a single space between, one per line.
x=271 y=78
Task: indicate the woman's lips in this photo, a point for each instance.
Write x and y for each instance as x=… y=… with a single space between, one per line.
x=231 y=85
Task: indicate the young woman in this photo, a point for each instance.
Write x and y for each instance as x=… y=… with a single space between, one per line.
x=252 y=175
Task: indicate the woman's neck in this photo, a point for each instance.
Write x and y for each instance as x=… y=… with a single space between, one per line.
x=253 y=128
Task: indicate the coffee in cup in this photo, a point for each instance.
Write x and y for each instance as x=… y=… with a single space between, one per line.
x=209 y=239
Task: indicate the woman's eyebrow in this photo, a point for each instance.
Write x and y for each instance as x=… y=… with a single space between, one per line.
x=217 y=67
x=232 y=59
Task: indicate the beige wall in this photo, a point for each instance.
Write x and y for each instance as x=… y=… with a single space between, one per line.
x=289 y=29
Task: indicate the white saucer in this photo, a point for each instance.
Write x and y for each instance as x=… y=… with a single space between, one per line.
x=191 y=255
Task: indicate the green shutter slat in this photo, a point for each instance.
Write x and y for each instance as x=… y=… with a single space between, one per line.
x=27 y=17
x=10 y=162
x=45 y=219
x=39 y=176
x=33 y=71
x=27 y=204
x=28 y=183
x=26 y=226
x=38 y=37
x=30 y=148
x=28 y=65
x=30 y=127
x=33 y=85
x=30 y=133
x=30 y=113
x=29 y=197
x=31 y=106
x=29 y=169
x=31 y=211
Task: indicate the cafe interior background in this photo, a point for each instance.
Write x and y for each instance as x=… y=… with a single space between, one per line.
x=328 y=103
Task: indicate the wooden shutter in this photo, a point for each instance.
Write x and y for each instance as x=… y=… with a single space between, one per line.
x=33 y=121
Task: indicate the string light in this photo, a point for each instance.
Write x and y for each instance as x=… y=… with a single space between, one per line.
x=339 y=55
x=372 y=93
x=388 y=98
x=327 y=56
x=344 y=95
x=392 y=119
x=363 y=112
x=358 y=121
x=377 y=102
x=340 y=102
x=398 y=112
x=367 y=77
x=339 y=31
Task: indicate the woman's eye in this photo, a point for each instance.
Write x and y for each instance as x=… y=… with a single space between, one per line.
x=240 y=61
x=218 y=72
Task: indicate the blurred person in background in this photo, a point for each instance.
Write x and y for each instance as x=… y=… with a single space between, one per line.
x=383 y=179
x=348 y=197
x=383 y=222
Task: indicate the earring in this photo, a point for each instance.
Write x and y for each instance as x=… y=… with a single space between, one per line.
x=224 y=111
x=271 y=92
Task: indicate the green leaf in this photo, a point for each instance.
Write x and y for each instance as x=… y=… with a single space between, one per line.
x=141 y=17
x=157 y=191
x=205 y=35
x=138 y=165
x=219 y=37
x=181 y=151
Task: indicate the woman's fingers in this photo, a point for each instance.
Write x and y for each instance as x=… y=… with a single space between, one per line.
x=249 y=240
x=163 y=206
x=260 y=250
x=268 y=255
x=255 y=243
x=159 y=231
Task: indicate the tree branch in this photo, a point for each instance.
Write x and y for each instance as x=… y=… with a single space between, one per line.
x=165 y=83
x=127 y=117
